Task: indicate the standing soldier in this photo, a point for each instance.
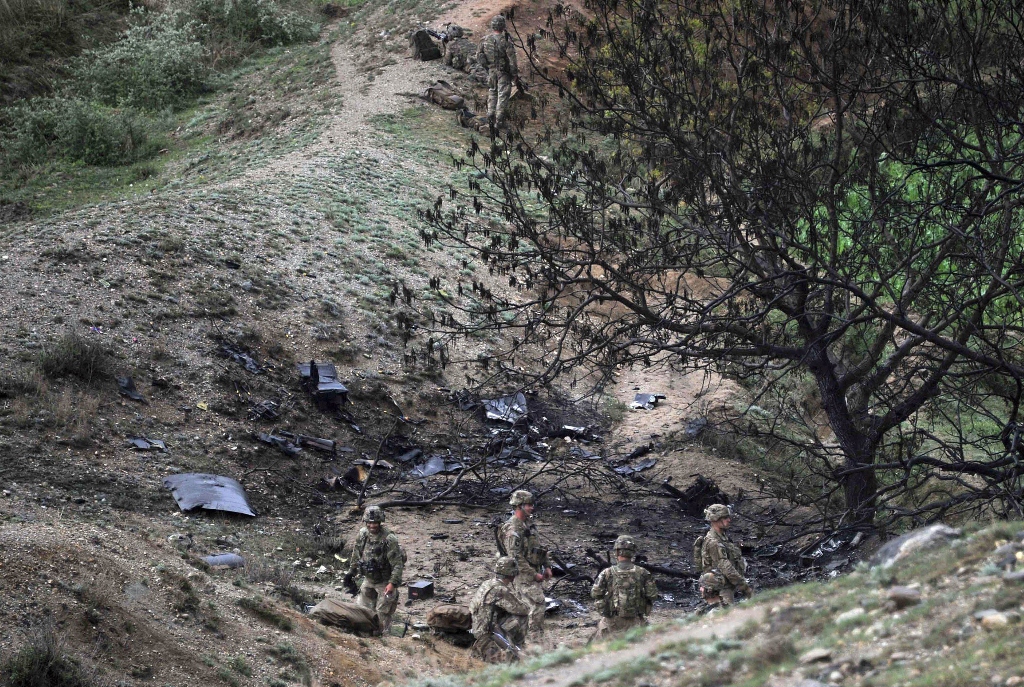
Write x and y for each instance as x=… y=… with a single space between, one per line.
x=625 y=591
x=500 y=618
x=721 y=561
x=498 y=56
x=377 y=556
x=517 y=539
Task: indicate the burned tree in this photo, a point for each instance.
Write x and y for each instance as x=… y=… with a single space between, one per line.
x=823 y=191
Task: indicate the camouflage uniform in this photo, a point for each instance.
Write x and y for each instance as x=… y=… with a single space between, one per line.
x=378 y=558
x=723 y=566
x=497 y=55
x=495 y=607
x=626 y=593
x=519 y=541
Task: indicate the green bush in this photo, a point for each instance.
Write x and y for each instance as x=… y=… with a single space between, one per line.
x=73 y=129
x=45 y=663
x=74 y=355
x=255 y=21
x=158 y=63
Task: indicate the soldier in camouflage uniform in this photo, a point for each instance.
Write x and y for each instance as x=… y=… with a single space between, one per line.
x=625 y=592
x=377 y=556
x=500 y=618
x=517 y=539
x=497 y=55
x=721 y=561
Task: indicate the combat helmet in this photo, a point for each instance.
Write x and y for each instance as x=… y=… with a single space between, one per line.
x=498 y=23
x=716 y=512
x=506 y=566
x=624 y=544
x=373 y=514
x=520 y=497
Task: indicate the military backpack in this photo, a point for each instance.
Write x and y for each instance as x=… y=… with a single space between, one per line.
x=626 y=597
x=698 y=554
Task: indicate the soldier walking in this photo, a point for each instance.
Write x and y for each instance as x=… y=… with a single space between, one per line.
x=500 y=618
x=625 y=592
x=517 y=539
x=378 y=558
x=497 y=55
x=721 y=561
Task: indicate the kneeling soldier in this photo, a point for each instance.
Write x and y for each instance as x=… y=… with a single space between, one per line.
x=721 y=561
x=500 y=618
x=625 y=591
x=377 y=556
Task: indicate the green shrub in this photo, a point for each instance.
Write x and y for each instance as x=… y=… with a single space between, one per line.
x=158 y=63
x=254 y=21
x=45 y=663
x=72 y=129
x=74 y=355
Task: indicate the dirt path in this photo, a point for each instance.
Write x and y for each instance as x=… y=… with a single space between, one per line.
x=591 y=664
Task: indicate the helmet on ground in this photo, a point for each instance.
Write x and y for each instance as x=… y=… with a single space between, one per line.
x=498 y=23
x=373 y=514
x=519 y=497
x=716 y=512
x=624 y=544
x=506 y=567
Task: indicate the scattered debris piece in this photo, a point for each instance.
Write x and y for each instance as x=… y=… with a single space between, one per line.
x=421 y=589
x=435 y=465
x=241 y=356
x=360 y=470
x=409 y=455
x=698 y=496
x=646 y=401
x=127 y=388
x=510 y=409
x=284 y=444
x=452 y=521
x=210 y=492
x=321 y=380
x=203 y=405
x=269 y=409
x=695 y=427
x=552 y=605
x=224 y=560
x=630 y=470
x=144 y=444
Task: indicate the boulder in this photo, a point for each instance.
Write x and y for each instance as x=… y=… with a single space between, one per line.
x=917 y=540
x=903 y=597
x=817 y=655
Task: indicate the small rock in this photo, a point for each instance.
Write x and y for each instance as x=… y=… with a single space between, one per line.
x=816 y=655
x=902 y=597
x=849 y=615
x=321 y=570
x=835 y=676
x=181 y=541
x=994 y=620
x=296 y=564
x=1014 y=681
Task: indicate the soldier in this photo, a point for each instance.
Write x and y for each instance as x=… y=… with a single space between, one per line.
x=721 y=561
x=497 y=55
x=625 y=591
x=517 y=539
x=377 y=556
x=500 y=618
